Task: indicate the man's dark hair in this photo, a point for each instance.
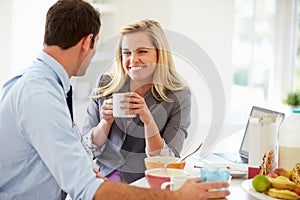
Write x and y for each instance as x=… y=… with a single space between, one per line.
x=68 y=21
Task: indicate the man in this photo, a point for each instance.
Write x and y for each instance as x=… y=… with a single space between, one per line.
x=40 y=152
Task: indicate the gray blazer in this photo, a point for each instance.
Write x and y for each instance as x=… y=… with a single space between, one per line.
x=125 y=148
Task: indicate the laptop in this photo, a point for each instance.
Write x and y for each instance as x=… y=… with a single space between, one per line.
x=242 y=156
x=237 y=162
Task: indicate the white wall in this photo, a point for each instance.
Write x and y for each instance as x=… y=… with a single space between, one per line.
x=27 y=31
x=5 y=39
x=22 y=28
x=210 y=24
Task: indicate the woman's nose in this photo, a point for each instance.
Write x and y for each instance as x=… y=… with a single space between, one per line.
x=134 y=57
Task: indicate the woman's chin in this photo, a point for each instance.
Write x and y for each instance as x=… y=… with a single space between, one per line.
x=140 y=78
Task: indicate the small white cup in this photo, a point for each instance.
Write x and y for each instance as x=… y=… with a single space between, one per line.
x=117 y=111
x=175 y=182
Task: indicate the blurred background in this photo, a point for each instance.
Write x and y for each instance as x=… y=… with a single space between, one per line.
x=254 y=45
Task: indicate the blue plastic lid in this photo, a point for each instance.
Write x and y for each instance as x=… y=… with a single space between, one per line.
x=297 y=111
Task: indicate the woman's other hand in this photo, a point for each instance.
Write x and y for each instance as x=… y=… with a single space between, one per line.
x=98 y=174
x=137 y=106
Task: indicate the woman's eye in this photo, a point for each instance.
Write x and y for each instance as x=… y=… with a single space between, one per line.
x=126 y=53
x=143 y=51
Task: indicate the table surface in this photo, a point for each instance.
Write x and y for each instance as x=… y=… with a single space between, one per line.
x=236 y=191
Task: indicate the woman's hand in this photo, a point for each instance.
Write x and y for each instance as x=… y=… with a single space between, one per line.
x=137 y=106
x=107 y=111
x=101 y=131
x=98 y=174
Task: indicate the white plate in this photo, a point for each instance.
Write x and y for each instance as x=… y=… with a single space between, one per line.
x=238 y=173
x=247 y=186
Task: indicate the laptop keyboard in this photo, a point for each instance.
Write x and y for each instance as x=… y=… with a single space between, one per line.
x=235 y=158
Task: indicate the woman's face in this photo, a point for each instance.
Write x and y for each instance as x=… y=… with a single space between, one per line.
x=139 y=56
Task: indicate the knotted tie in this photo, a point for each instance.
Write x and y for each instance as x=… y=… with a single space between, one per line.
x=70 y=106
x=69 y=102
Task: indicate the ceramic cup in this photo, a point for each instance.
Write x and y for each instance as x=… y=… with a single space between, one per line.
x=117 y=111
x=156 y=177
x=175 y=182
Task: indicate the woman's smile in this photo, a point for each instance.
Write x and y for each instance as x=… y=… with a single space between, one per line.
x=135 y=69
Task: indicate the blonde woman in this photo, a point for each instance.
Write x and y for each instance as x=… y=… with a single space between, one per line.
x=145 y=72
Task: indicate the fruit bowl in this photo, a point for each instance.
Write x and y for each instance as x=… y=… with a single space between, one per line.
x=279 y=183
x=159 y=162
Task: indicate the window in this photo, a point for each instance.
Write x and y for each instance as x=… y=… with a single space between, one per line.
x=253 y=53
x=266 y=54
x=297 y=60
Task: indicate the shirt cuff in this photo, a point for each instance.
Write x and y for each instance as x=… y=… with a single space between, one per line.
x=88 y=141
x=164 y=151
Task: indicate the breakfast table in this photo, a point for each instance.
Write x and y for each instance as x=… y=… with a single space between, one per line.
x=236 y=190
x=236 y=183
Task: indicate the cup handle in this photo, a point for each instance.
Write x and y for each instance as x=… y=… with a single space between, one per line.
x=165 y=185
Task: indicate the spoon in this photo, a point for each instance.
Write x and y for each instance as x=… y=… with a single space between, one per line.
x=182 y=159
x=166 y=164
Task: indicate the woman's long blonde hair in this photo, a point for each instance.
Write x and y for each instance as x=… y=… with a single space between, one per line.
x=165 y=77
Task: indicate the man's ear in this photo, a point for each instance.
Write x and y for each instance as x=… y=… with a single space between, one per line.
x=87 y=42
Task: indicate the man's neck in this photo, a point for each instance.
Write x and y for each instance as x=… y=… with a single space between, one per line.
x=66 y=57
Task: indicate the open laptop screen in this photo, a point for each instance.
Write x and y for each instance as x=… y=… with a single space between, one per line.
x=244 y=150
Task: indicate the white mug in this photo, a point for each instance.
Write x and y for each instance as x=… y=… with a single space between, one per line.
x=175 y=182
x=117 y=111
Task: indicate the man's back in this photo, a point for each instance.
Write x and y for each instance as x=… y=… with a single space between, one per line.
x=21 y=165
x=36 y=138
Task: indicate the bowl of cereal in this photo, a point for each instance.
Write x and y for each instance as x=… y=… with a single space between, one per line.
x=161 y=162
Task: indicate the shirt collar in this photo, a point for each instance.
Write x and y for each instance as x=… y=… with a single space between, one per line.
x=62 y=76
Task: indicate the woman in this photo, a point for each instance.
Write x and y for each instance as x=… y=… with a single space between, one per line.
x=145 y=72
